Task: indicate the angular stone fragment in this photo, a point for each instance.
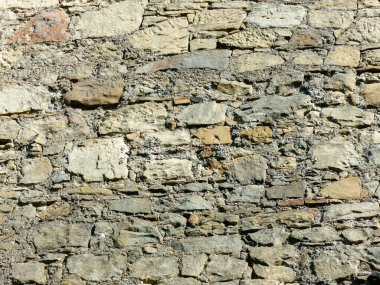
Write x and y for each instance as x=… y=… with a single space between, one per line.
x=35 y=170
x=193 y=265
x=342 y=81
x=212 y=59
x=29 y=272
x=274 y=255
x=332 y=266
x=337 y=153
x=203 y=114
x=257 y=61
x=18 y=99
x=351 y=211
x=259 y=134
x=154 y=268
x=193 y=203
x=219 y=19
x=250 y=38
x=131 y=238
x=216 y=135
x=53 y=236
x=9 y=130
x=356 y=236
x=316 y=235
x=167 y=37
x=111 y=20
x=96 y=267
x=46 y=27
x=343 y=56
x=28 y=4
x=292 y=190
x=133 y=118
x=285 y=83
x=279 y=273
x=199 y=44
x=247 y=194
x=168 y=169
x=132 y=205
x=224 y=268
x=268 y=237
x=350 y=116
x=364 y=31
x=92 y=93
x=215 y=244
x=348 y=189
x=273 y=106
x=372 y=57
x=306 y=57
x=335 y=19
x=171 y=138
x=275 y=15
x=250 y=169
x=371 y=93
x=234 y=88
x=290 y=218
x=98 y=159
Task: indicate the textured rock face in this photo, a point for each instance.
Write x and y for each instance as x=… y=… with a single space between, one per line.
x=166 y=142
x=111 y=21
x=91 y=93
x=99 y=159
x=18 y=99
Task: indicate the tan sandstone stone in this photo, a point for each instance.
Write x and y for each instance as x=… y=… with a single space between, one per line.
x=216 y=135
x=347 y=189
x=343 y=56
x=257 y=61
x=260 y=134
x=371 y=93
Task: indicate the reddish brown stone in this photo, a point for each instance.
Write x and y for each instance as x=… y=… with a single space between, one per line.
x=316 y=202
x=306 y=38
x=91 y=93
x=181 y=101
x=46 y=27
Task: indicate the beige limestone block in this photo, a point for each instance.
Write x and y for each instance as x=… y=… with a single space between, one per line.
x=347 y=189
x=257 y=61
x=371 y=93
x=343 y=56
x=216 y=135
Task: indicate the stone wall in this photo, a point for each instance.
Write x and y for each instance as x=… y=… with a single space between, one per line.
x=189 y=141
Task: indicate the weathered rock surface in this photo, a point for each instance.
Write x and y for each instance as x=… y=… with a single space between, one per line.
x=167 y=37
x=98 y=159
x=46 y=27
x=349 y=116
x=275 y=236
x=132 y=205
x=292 y=190
x=18 y=99
x=96 y=267
x=216 y=135
x=337 y=153
x=171 y=138
x=250 y=38
x=325 y=234
x=271 y=15
x=249 y=194
x=203 y=114
x=224 y=268
x=291 y=218
x=351 y=211
x=111 y=20
x=274 y=255
x=362 y=31
x=155 y=268
x=53 y=236
x=371 y=93
x=35 y=170
x=330 y=19
x=139 y=117
x=193 y=265
x=332 y=266
x=234 y=88
x=216 y=244
x=213 y=59
x=93 y=94
x=168 y=169
x=29 y=272
x=219 y=19
x=250 y=169
x=257 y=61
x=348 y=188
x=279 y=273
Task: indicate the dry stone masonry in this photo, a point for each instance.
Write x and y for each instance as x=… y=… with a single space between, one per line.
x=189 y=142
